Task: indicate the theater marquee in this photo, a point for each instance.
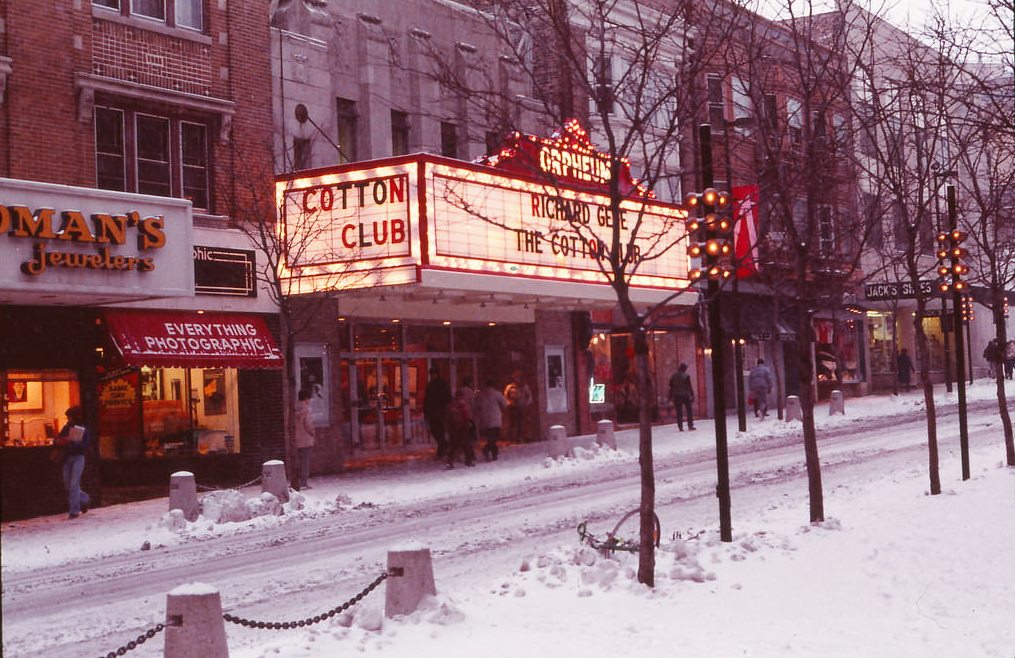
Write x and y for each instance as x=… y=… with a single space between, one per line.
x=538 y=210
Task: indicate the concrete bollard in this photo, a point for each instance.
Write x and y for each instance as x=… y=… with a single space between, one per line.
x=604 y=434
x=557 y=436
x=410 y=579
x=274 y=480
x=837 y=403
x=183 y=494
x=194 y=624
x=793 y=409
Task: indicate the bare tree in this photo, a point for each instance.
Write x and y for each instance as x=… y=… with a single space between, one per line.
x=624 y=68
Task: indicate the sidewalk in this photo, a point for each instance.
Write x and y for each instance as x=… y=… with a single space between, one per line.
x=51 y=540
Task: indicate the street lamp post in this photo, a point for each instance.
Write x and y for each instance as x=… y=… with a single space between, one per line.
x=710 y=244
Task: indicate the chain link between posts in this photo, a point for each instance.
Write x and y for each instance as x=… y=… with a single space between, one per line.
x=202 y=487
x=309 y=621
x=134 y=644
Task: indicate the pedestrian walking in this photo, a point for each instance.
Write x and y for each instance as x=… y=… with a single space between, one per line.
x=1009 y=359
x=760 y=382
x=993 y=355
x=304 y=437
x=461 y=430
x=519 y=397
x=682 y=395
x=74 y=440
x=436 y=399
x=490 y=407
x=905 y=369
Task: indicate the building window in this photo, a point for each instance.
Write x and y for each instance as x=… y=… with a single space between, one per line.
x=175 y=13
x=795 y=121
x=449 y=139
x=301 y=153
x=826 y=230
x=194 y=160
x=493 y=142
x=150 y=154
x=347 y=119
x=602 y=74
x=742 y=105
x=110 y=171
x=399 y=133
x=716 y=102
x=153 y=167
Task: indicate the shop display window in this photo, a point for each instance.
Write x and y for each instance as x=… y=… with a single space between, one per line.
x=837 y=352
x=613 y=387
x=935 y=343
x=34 y=404
x=880 y=342
x=163 y=412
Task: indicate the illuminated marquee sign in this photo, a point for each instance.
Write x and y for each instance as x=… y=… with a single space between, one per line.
x=49 y=230
x=492 y=223
x=540 y=209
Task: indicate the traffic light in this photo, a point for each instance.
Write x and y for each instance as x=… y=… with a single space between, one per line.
x=968 y=314
x=950 y=255
x=710 y=232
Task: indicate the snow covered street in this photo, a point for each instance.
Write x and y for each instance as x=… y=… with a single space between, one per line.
x=891 y=572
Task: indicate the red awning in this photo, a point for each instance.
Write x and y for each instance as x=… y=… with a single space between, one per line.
x=186 y=339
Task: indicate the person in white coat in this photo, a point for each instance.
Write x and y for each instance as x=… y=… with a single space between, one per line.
x=490 y=406
x=304 y=438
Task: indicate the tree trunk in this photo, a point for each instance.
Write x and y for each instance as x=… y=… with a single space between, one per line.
x=646 y=552
x=816 y=495
x=288 y=389
x=923 y=353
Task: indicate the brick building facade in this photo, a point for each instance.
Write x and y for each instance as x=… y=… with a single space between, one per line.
x=107 y=107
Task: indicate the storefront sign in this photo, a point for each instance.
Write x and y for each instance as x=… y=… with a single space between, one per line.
x=898 y=290
x=222 y=271
x=155 y=338
x=86 y=243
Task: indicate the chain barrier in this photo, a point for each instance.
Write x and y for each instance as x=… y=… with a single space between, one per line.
x=202 y=487
x=277 y=625
x=134 y=644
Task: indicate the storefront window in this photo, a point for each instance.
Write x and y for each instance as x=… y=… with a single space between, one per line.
x=377 y=337
x=935 y=342
x=162 y=412
x=879 y=342
x=837 y=355
x=613 y=385
x=34 y=405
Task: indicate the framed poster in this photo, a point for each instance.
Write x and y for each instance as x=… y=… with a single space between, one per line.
x=24 y=395
x=556 y=379
x=311 y=365
x=214 y=392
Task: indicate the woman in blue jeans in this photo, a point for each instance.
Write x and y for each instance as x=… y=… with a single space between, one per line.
x=74 y=439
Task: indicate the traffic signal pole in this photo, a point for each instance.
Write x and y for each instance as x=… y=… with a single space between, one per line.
x=718 y=376
x=960 y=360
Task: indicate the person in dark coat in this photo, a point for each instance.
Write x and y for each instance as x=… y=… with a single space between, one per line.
x=436 y=399
x=461 y=430
x=682 y=395
x=1009 y=359
x=74 y=440
x=905 y=368
x=992 y=354
x=760 y=382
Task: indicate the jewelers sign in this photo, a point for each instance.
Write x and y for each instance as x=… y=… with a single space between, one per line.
x=88 y=242
x=383 y=222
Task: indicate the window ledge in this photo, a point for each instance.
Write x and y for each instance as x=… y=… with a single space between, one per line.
x=87 y=84
x=150 y=25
